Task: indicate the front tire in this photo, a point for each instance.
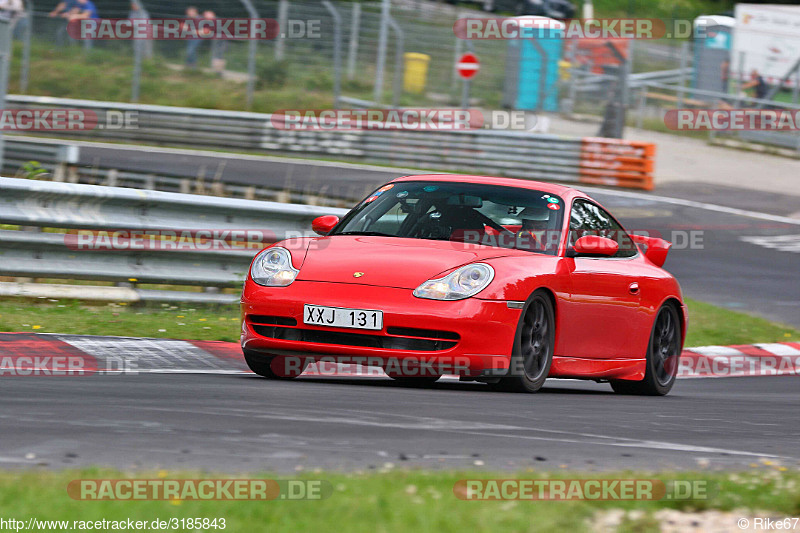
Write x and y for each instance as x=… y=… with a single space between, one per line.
x=533 y=347
x=265 y=366
x=663 y=356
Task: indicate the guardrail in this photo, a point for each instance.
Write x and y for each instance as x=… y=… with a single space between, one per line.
x=62 y=160
x=678 y=75
x=65 y=208
x=513 y=154
x=52 y=156
x=591 y=81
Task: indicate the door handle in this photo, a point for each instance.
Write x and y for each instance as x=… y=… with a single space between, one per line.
x=633 y=288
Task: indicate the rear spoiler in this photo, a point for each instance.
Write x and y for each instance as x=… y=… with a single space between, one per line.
x=656 y=249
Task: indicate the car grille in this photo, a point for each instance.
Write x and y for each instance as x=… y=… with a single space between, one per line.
x=412 y=339
x=272 y=320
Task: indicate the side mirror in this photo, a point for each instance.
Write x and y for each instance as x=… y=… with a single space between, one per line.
x=324 y=224
x=594 y=245
x=657 y=249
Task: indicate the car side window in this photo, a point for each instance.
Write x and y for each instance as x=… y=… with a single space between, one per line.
x=587 y=218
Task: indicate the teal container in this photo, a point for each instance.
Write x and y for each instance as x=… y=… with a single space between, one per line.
x=532 y=72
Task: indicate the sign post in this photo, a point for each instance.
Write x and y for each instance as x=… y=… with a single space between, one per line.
x=467 y=66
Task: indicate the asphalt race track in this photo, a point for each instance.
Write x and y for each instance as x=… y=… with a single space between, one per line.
x=742 y=262
x=244 y=423
x=238 y=422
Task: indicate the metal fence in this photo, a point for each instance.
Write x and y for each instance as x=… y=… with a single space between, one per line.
x=652 y=100
x=309 y=63
x=47 y=216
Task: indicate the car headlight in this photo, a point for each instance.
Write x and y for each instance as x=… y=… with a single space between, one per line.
x=465 y=282
x=273 y=268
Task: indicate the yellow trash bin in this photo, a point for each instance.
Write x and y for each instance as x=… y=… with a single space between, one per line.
x=564 y=70
x=415 y=75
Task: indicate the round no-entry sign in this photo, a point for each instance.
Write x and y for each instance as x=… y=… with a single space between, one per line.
x=467 y=66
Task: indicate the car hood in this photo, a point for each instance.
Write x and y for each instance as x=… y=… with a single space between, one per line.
x=389 y=261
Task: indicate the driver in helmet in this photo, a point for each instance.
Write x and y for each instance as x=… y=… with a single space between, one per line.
x=532 y=234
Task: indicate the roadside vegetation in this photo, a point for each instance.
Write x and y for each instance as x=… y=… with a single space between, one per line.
x=105 y=74
x=708 y=324
x=414 y=500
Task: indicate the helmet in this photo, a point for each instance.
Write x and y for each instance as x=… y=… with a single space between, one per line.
x=537 y=214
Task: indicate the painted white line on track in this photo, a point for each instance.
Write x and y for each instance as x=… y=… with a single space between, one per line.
x=17 y=460
x=691 y=203
x=229 y=155
x=482 y=429
x=648 y=444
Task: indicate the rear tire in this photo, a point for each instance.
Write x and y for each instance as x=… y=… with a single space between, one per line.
x=263 y=366
x=533 y=347
x=663 y=356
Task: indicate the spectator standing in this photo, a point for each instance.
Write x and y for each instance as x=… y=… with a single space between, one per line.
x=194 y=43
x=64 y=10
x=14 y=12
x=218 y=47
x=86 y=10
x=757 y=82
x=139 y=12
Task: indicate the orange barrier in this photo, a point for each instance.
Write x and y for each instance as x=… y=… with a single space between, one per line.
x=617 y=162
x=596 y=54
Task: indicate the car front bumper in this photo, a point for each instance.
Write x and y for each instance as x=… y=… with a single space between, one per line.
x=463 y=337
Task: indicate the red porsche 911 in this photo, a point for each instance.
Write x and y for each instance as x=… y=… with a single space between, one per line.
x=498 y=280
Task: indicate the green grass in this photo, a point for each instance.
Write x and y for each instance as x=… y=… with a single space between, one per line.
x=708 y=324
x=69 y=72
x=396 y=500
x=164 y=321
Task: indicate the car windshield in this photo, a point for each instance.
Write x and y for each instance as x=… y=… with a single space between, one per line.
x=486 y=215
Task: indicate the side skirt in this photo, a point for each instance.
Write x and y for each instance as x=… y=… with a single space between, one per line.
x=574 y=367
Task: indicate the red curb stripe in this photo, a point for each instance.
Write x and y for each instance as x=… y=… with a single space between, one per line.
x=21 y=350
x=31 y=354
x=221 y=349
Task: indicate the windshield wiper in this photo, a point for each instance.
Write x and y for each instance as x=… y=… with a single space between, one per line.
x=369 y=233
